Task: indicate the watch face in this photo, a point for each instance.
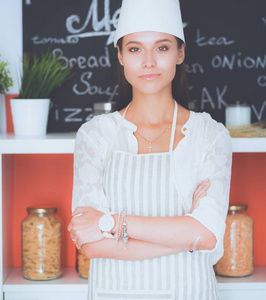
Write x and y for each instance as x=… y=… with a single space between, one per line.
x=106 y=223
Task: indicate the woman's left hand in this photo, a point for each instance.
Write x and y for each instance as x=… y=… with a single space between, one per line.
x=200 y=192
x=83 y=227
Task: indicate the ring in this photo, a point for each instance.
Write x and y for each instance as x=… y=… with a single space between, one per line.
x=77 y=215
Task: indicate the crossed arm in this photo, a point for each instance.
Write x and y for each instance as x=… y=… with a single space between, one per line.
x=149 y=236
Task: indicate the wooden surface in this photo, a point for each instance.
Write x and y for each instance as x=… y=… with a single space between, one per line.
x=257 y=129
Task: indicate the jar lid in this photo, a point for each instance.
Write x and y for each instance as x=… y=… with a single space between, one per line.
x=103 y=105
x=41 y=210
x=238 y=207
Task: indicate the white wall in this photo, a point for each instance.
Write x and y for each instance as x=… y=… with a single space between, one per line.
x=11 y=38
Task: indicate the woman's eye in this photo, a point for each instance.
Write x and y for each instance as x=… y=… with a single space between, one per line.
x=163 y=48
x=134 y=49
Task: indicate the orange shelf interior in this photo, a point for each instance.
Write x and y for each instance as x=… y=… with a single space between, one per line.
x=42 y=179
x=47 y=179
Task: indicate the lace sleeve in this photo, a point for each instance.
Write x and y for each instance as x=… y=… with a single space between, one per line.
x=88 y=169
x=212 y=210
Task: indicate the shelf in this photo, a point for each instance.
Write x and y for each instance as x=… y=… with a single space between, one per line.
x=256 y=281
x=249 y=144
x=50 y=143
x=64 y=143
x=71 y=282
x=68 y=282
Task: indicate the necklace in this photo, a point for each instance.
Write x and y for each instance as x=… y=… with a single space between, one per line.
x=150 y=142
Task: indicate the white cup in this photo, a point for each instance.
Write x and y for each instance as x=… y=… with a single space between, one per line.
x=237 y=115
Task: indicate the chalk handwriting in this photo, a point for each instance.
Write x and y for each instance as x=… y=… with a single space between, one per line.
x=83 y=62
x=56 y=112
x=90 y=115
x=260 y=113
x=194 y=68
x=73 y=113
x=101 y=27
x=202 y=41
x=206 y=97
x=54 y=40
x=262 y=81
x=236 y=60
x=264 y=20
x=86 y=88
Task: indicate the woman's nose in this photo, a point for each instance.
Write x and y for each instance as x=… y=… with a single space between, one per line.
x=149 y=60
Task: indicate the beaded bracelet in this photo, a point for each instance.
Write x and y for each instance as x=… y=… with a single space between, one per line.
x=119 y=231
x=125 y=235
x=122 y=228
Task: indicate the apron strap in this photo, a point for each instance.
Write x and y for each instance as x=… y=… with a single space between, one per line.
x=171 y=146
x=126 y=110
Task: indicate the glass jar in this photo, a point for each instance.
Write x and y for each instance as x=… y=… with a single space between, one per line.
x=82 y=264
x=100 y=108
x=237 y=260
x=41 y=244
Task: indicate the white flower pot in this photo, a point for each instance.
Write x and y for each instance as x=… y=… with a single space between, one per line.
x=30 y=116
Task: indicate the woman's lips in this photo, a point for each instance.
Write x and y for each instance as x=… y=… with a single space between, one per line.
x=149 y=76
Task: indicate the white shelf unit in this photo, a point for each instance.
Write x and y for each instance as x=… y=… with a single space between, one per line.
x=70 y=286
x=61 y=143
x=64 y=143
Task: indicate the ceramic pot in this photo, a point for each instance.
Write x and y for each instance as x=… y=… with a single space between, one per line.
x=30 y=116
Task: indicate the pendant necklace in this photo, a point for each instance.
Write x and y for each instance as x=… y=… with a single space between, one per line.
x=150 y=142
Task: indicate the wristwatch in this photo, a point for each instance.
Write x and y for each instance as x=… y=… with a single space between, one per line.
x=106 y=224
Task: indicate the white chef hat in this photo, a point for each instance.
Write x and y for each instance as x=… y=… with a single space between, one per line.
x=150 y=15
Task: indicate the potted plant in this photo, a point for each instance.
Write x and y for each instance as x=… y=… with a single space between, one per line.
x=6 y=82
x=41 y=74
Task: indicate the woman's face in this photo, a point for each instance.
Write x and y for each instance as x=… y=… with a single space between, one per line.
x=149 y=59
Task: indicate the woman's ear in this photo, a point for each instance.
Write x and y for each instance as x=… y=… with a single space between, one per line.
x=119 y=55
x=181 y=54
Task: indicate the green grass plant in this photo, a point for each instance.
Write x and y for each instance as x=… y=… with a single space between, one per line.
x=42 y=73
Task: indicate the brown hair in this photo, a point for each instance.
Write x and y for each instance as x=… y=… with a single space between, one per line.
x=180 y=88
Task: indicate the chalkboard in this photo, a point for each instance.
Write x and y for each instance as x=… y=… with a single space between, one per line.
x=225 y=54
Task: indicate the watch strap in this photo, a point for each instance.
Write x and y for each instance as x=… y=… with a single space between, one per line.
x=108 y=235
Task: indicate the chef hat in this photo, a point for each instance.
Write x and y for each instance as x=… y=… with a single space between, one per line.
x=150 y=15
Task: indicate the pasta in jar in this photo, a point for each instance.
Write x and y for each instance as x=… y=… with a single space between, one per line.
x=41 y=244
x=82 y=264
x=237 y=260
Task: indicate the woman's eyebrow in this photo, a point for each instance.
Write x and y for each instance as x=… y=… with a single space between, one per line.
x=157 y=42
x=133 y=42
x=163 y=41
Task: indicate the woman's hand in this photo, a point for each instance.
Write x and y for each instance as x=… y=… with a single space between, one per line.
x=200 y=192
x=83 y=227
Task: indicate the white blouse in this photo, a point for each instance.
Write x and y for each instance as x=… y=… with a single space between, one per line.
x=204 y=152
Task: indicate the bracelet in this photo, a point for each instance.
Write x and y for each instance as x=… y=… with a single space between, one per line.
x=195 y=244
x=122 y=228
x=124 y=235
x=119 y=232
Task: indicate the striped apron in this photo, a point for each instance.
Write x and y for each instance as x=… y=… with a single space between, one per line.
x=145 y=185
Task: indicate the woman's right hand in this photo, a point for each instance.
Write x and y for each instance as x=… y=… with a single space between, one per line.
x=200 y=192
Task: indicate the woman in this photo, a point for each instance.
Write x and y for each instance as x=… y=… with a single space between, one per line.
x=151 y=181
